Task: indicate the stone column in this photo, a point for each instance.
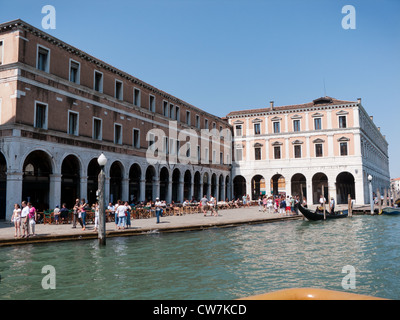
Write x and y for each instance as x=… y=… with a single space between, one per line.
x=142 y=190
x=55 y=190
x=83 y=187
x=125 y=190
x=14 y=192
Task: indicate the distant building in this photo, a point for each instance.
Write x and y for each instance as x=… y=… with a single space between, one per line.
x=60 y=108
x=395 y=184
x=326 y=146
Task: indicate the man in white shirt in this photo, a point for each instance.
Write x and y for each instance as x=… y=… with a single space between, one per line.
x=25 y=219
x=158 y=205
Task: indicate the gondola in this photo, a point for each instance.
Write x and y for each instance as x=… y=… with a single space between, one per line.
x=390 y=211
x=317 y=215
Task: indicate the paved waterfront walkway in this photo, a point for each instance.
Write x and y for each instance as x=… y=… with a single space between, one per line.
x=197 y=221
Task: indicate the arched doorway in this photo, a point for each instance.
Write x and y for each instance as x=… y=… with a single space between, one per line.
x=176 y=174
x=319 y=186
x=187 y=185
x=257 y=187
x=196 y=187
x=344 y=187
x=70 y=180
x=214 y=185
x=278 y=185
x=164 y=178
x=150 y=175
x=3 y=185
x=135 y=174
x=93 y=180
x=299 y=185
x=239 y=187
x=206 y=184
x=116 y=174
x=37 y=169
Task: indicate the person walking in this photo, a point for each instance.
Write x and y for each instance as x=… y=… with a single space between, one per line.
x=83 y=207
x=25 y=219
x=56 y=213
x=158 y=205
x=16 y=218
x=96 y=216
x=213 y=204
x=332 y=206
x=204 y=205
x=32 y=218
x=121 y=215
x=76 y=215
x=128 y=214
x=270 y=205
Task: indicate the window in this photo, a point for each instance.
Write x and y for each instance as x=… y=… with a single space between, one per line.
x=188 y=150
x=207 y=155
x=73 y=123
x=117 y=133
x=205 y=123
x=296 y=125
x=43 y=59
x=317 y=124
x=74 y=71
x=165 y=108
x=239 y=130
x=98 y=81
x=119 y=93
x=1 y=52
x=214 y=156
x=188 y=118
x=97 y=129
x=41 y=115
x=197 y=121
x=297 y=151
x=257 y=153
x=277 y=127
x=151 y=140
x=257 y=128
x=318 y=150
x=198 y=154
x=136 y=97
x=277 y=152
x=221 y=158
x=239 y=154
x=172 y=146
x=343 y=148
x=177 y=114
x=152 y=103
x=171 y=111
x=214 y=125
x=165 y=146
x=342 y=122
x=136 y=138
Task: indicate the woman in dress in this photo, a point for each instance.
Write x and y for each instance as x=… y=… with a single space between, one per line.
x=16 y=218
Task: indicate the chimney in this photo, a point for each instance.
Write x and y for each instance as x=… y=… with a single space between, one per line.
x=272 y=105
x=359 y=100
x=379 y=128
x=372 y=118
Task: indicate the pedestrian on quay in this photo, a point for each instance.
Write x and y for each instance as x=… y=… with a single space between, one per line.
x=264 y=203
x=270 y=205
x=25 y=219
x=83 y=207
x=120 y=210
x=96 y=216
x=213 y=204
x=77 y=214
x=158 y=205
x=111 y=210
x=32 y=218
x=128 y=214
x=204 y=205
x=332 y=206
x=56 y=213
x=16 y=218
x=282 y=206
x=260 y=204
x=244 y=200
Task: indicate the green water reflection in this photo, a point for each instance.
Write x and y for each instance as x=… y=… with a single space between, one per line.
x=213 y=264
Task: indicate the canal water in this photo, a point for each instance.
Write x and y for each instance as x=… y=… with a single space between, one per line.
x=213 y=264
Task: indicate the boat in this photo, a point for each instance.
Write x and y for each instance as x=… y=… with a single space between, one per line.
x=317 y=215
x=390 y=211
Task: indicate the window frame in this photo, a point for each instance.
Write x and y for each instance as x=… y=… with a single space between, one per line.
x=137 y=144
x=100 y=138
x=46 y=114
x=78 y=76
x=118 y=140
x=101 y=82
x=76 y=133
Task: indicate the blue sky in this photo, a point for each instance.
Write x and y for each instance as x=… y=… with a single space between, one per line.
x=224 y=55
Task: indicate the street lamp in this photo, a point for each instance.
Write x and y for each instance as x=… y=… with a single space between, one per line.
x=371 y=200
x=102 y=161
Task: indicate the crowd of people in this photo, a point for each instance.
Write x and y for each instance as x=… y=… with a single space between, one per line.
x=25 y=218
